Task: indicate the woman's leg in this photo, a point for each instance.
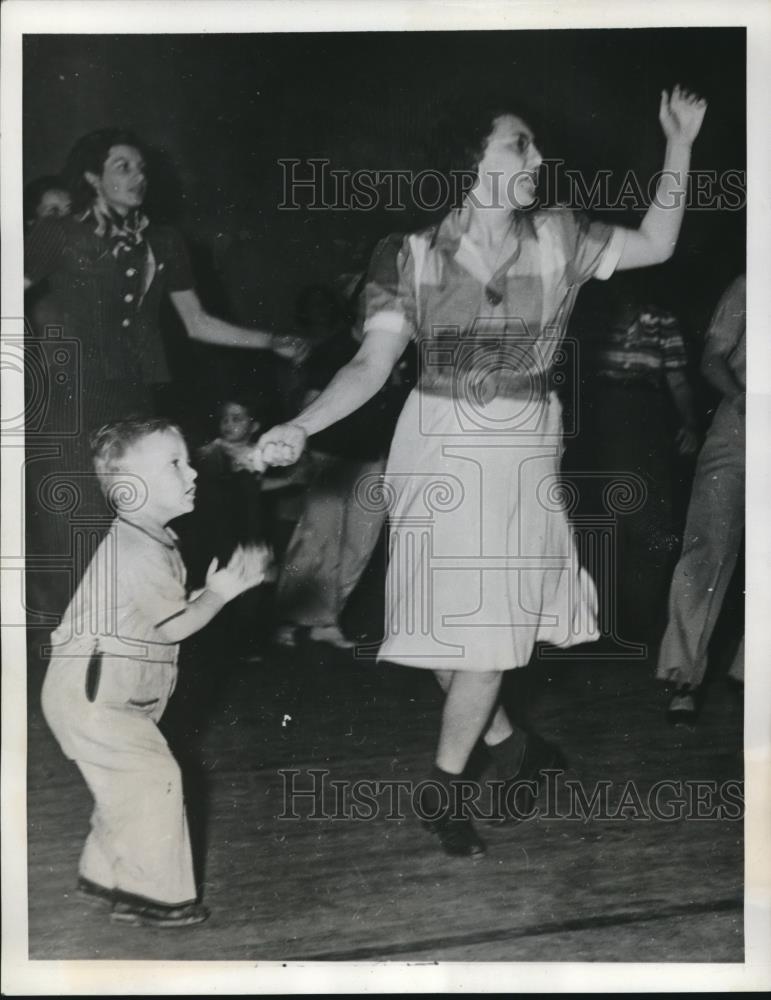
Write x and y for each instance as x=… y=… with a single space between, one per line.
x=519 y=758
x=470 y=700
x=500 y=727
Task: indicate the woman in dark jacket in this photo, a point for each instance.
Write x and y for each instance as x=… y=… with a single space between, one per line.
x=108 y=269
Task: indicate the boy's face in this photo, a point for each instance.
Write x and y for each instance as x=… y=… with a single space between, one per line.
x=236 y=423
x=160 y=461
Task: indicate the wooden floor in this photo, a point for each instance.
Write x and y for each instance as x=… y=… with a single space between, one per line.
x=551 y=889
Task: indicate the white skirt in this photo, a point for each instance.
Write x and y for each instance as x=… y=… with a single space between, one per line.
x=482 y=563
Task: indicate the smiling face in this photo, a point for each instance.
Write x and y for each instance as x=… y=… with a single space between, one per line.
x=508 y=170
x=122 y=183
x=236 y=423
x=160 y=460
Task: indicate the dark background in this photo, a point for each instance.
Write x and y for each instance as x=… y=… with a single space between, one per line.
x=220 y=111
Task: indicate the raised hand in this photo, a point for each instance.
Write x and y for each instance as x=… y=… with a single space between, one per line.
x=247 y=568
x=282 y=444
x=681 y=115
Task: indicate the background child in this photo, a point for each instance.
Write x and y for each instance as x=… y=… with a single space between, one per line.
x=114 y=669
x=229 y=512
x=229 y=508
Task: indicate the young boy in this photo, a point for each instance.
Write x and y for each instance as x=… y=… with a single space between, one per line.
x=113 y=671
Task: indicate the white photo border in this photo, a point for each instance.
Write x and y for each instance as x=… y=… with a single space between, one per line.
x=21 y=976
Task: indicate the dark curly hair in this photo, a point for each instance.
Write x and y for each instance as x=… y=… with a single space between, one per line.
x=90 y=154
x=457 y=141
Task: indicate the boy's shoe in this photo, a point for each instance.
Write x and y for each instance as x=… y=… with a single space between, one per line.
x=94 y=893
x=147 y=914
x=332 y=635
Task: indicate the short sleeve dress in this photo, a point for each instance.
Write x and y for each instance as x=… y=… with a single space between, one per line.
x=483 y=563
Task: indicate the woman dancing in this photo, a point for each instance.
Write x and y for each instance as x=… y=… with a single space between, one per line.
x=483 y=564
x=108 y=269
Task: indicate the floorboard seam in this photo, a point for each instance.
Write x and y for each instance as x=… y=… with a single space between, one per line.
x=539 y=930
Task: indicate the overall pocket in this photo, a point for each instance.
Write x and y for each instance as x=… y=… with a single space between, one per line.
x=93 y=673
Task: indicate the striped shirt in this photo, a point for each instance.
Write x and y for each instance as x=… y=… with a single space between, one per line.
x=642 y=351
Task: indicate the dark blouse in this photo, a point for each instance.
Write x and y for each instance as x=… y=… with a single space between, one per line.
x=108 y=297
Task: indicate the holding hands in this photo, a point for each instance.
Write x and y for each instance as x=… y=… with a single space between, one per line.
x=681 y=115
x=282 y=444
x=247 y=568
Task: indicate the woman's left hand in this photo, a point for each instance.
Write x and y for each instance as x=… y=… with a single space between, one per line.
x=681 y=115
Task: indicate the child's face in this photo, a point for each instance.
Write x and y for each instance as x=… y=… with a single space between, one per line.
x=236 y=423
x=53 y=204
x=160 y=460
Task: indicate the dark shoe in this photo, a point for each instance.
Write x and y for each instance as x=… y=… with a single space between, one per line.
x=517 y=795
x=141 y=914
x=95 y=893
x=681 y=710
x=457 y=836
x=438 y=812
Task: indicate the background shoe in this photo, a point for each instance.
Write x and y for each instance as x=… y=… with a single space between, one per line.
x=681 y=710
x=140 y=914
x=332 y=635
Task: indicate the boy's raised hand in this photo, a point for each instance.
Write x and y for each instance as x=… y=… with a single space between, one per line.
x=247 y=568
